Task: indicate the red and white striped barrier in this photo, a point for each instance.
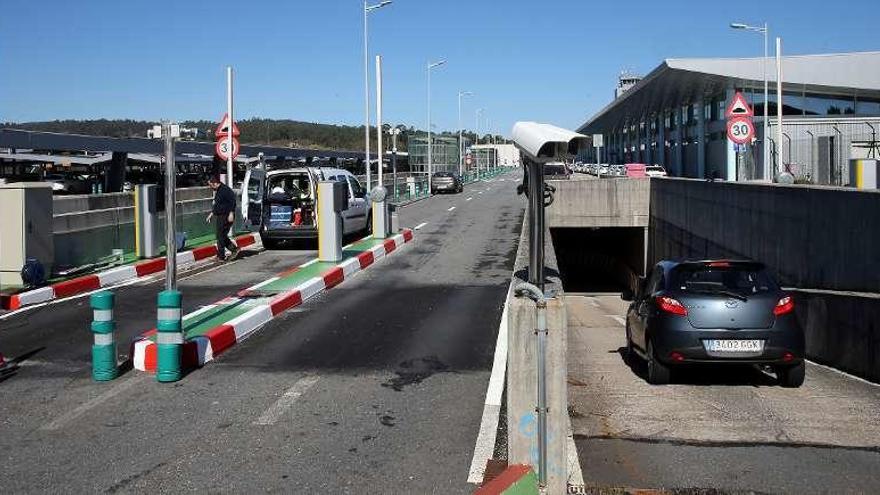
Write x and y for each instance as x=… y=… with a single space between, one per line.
x=204 y=348
x=112 y=276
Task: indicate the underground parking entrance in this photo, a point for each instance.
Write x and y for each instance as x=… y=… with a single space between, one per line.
x=599 y=259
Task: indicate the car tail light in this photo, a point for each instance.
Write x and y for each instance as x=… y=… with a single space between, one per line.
x=670 y=305
x=788 y=357
x=676 y=356
x=784 y=306
x=719 y=264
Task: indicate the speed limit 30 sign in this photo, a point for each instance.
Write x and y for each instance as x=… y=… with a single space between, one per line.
x=740 y=130
x=222 y=148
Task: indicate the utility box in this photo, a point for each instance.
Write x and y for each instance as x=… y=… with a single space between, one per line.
x=26 y=229
x=340 y=196
x=863 y=174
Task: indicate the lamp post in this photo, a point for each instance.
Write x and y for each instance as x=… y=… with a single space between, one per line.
x=460 y=141
x=431 y=65
x=367 y=10
x=477 y=139
x=766 y=141
x=395 y=131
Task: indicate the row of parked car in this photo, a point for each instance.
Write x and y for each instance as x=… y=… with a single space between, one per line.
x=628 y=170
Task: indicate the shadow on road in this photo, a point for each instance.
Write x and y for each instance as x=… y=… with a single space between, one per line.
x=730 y=374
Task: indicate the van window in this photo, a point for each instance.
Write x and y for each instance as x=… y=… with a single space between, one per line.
x=356 y=187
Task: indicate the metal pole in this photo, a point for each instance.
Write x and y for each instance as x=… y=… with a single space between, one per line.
x=460 y=144
x=430 y=158
x=779 y=105
x=379 y=148
x=536 y=225
x=394 y=134
x=767 y=174
x=366 y=100
x=171 y=209
x=541 y=311
x=229 y=177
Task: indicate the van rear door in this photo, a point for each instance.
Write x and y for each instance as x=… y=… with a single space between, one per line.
x=252 y=194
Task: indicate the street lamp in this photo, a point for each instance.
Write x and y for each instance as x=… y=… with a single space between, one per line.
x=477 y=139
x=367 y=10
x=431 y=65
x=765 y=31
x=460 y=142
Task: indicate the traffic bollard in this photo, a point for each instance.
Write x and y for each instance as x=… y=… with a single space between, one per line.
x=104 y=348
x=169 y=337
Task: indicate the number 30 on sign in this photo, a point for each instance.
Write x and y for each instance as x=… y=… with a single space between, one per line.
x=740 y=130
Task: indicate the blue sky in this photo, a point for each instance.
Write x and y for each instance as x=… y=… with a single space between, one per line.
x=554 y=61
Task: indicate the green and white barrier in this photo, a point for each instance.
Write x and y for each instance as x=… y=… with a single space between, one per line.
x=104 y=366
x=169 y=337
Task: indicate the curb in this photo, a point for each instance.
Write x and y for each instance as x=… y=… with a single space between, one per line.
x=515 y=480
x=204 y=348
x=112 y=276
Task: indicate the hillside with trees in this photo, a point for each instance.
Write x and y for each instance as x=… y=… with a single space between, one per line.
x=288 y=133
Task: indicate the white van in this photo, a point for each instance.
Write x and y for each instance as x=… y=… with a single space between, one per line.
x=280 y=204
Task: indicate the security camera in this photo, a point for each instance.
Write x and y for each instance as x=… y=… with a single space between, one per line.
x=542 y=143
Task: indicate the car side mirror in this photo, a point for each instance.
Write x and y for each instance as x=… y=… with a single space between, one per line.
x=627 y=295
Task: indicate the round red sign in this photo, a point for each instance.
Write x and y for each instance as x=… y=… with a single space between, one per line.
x=740 y=130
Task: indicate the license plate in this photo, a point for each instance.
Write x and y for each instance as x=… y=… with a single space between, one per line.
x=731 y=345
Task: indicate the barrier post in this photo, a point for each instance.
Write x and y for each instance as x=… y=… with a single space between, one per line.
x=104 y=366
x=169 y=337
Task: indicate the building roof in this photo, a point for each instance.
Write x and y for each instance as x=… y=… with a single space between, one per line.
x=676 y=80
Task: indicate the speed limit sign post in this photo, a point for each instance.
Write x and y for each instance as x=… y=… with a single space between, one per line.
x=740 y=130
x=222 y=148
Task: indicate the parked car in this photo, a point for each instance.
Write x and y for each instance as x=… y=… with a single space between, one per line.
x=556 y=171
x=446 y=182
x=280 y=204
x=63 y=183
x=635 y=170
x=718 y=312
x=655 y=171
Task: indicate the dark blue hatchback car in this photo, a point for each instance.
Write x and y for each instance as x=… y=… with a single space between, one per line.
x=716 y=311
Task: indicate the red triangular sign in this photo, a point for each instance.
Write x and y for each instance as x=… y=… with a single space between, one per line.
x=223 y=128
x=739 y=107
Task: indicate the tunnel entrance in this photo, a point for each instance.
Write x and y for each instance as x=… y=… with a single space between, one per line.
x=601 y=259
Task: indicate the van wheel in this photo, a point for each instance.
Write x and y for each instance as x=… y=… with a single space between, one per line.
x=368 y=228
x=792 y=376
x=658 y=373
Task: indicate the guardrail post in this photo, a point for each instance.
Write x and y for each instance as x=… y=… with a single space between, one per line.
x=169 y=337
x=104 y=366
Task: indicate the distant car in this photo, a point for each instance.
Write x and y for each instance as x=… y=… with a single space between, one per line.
x=69 y=183
x=716 y=311
x=446 y=182
x=603 y=169
x=635 y=170
x=655 y=171
x=556 y=171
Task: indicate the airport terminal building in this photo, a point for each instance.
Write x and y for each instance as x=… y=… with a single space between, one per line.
x=675 y=117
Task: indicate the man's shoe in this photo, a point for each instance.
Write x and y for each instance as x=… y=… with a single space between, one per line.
x=235 y=253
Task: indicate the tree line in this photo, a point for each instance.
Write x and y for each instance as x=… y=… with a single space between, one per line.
x=275 y=132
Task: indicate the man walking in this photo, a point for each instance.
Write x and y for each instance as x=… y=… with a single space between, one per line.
x=223 y=212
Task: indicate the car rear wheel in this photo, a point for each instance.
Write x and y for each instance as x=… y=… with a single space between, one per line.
x=630 y=353
x=792 y=376
x=269 y=243
x=658 y=373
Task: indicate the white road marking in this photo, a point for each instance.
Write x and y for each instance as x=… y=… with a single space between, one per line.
x=593 y=302
x=485 y=446
x=480 y=192
x=575 y=474
x=469 y=198
x=78 y=411
x=417 y=227
x=618 y=319
x=276 y=410
x=451 y=208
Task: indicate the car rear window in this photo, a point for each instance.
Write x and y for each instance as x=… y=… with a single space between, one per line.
x=743 y=279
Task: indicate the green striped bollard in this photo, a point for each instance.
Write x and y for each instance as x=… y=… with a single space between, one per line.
x=104 y=348
x=169 y=337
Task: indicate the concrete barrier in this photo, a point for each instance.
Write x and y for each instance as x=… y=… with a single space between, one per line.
x=600 y=203
x=88 y=227
x=522 y=432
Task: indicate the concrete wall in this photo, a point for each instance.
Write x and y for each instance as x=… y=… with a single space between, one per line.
x=600 y=203
x=811 y=237
x=87 y=227
x=522 y=439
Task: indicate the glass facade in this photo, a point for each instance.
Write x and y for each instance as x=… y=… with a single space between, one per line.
x=444 y=151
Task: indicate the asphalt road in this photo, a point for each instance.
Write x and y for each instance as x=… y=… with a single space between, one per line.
x=729 y=429
x=376 y=386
